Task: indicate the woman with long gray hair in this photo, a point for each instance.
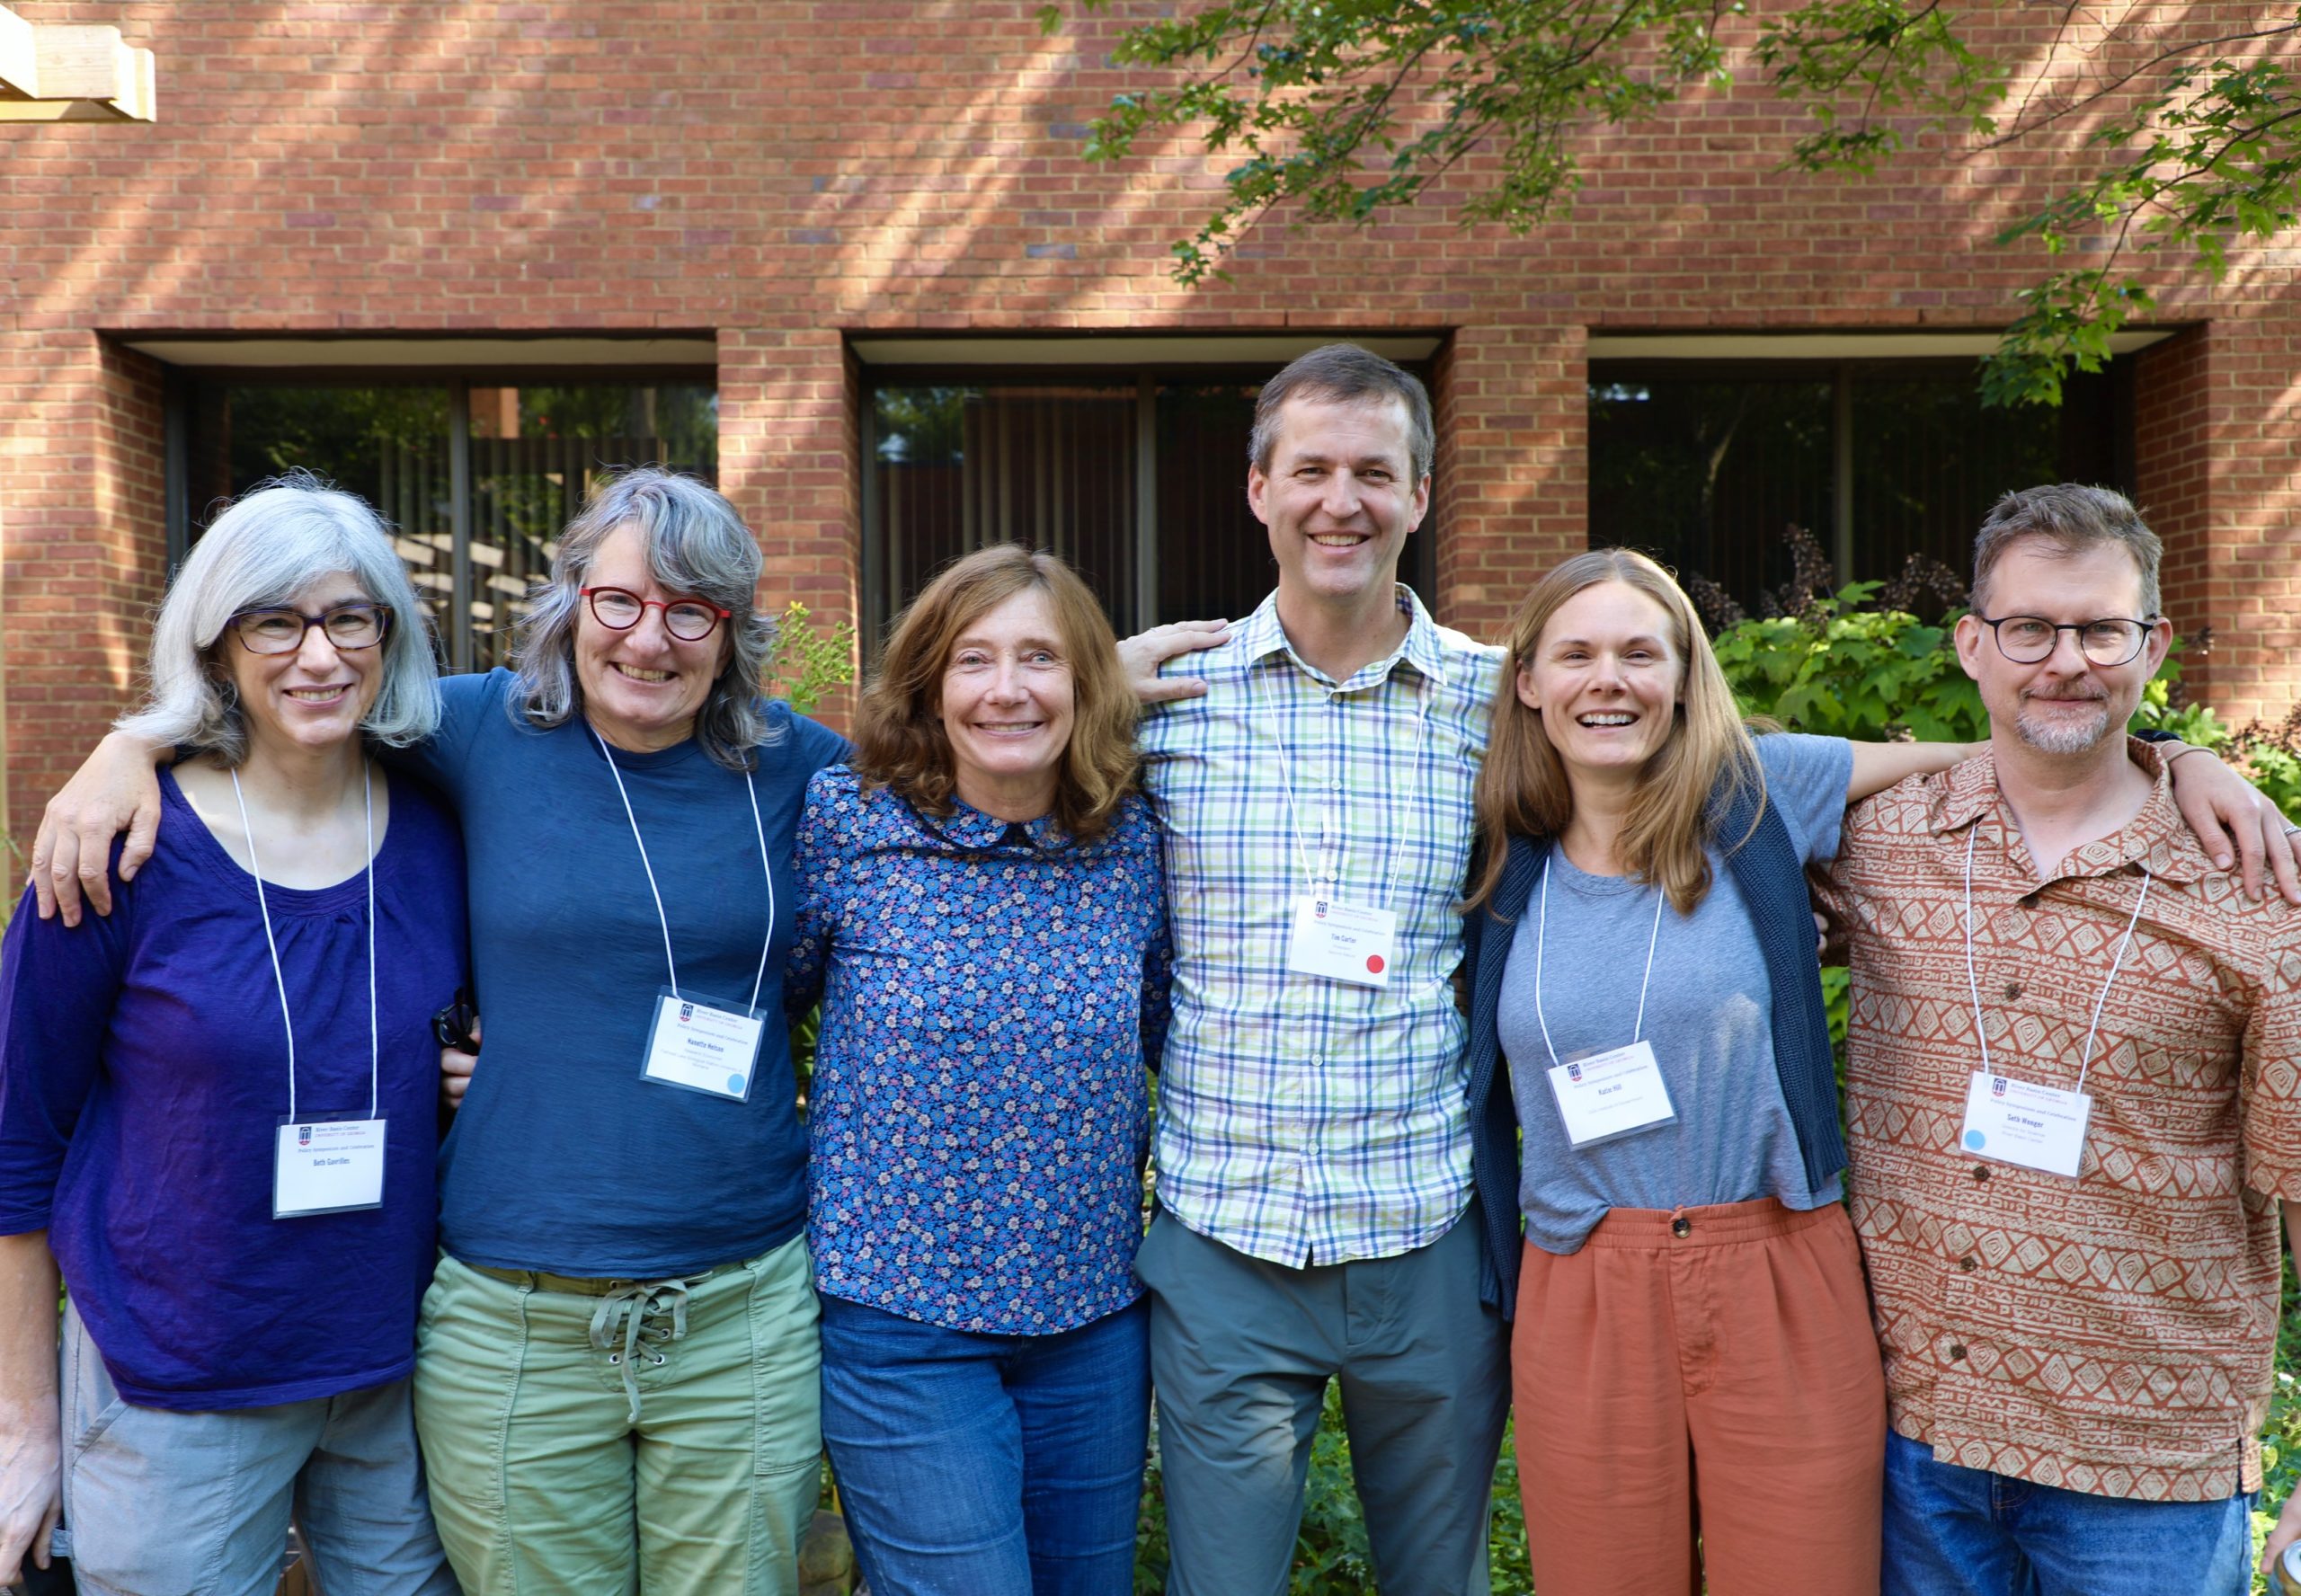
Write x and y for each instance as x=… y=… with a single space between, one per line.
x=217 y=1104
x=617 y=1378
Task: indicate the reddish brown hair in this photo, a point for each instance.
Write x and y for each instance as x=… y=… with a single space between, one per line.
x=899 y=736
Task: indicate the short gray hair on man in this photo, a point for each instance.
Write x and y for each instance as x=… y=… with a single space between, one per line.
x=1344 y=374
x=2072 y=517
x=696 y=544
x=277 y=539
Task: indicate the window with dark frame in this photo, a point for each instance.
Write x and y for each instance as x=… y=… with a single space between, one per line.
x=475 y=474
x=1704 y=464
x=1137 y=477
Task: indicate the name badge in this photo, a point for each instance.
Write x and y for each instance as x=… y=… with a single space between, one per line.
x=1611 y=1094
x=703 y=1045
x=2015 y=1122
x=325 y=1166
x=1335 y=941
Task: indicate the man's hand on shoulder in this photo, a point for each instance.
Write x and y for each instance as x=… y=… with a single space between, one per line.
x=1142 y=654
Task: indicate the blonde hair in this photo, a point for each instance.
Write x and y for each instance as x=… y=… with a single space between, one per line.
x=899 y=736
x=1523 y=790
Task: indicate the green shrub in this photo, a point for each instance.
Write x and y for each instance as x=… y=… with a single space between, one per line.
x=1859 y=662
x=810 y=659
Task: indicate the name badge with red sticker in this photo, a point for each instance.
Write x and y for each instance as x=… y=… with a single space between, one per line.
x=1336 y=941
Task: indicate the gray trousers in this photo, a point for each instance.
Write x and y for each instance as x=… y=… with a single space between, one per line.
x=1240 y=1354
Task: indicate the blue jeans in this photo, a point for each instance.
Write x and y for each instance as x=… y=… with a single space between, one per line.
x=977 y=1465
x=1954 y=1531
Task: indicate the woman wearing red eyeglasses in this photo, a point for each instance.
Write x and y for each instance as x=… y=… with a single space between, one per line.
x=617 y=1372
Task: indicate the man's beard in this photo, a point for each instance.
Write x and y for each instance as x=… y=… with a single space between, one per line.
x=2063 y=736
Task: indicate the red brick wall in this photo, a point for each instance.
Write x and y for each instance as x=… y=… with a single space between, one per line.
x=782 y=175
x=85 y=538
x=2219 y=420
x=2174 y=493
x=1515 y=482
x=787 y=460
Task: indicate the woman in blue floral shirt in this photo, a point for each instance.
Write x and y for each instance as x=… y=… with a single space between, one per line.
x=985 y=913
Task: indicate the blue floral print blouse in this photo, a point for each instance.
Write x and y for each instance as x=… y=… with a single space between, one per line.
x=992 y=993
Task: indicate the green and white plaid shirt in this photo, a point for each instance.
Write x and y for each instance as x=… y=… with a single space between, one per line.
x=1302 y=1119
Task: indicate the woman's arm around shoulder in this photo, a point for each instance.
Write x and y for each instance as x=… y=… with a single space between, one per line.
x=1877 y=765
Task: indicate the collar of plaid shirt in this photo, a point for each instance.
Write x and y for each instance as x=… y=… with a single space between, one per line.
x=1306 y=1120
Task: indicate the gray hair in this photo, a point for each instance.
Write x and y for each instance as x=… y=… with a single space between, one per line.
x=696 y=544
x=278 y=539
x=2072 y=517
x=1344 y=374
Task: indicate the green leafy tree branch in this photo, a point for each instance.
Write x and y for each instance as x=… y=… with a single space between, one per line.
x=1347 y=109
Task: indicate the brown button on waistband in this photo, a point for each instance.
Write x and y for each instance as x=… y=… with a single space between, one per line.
x=1965 y=1263
x=1682 y=1226
x=1981 y=1172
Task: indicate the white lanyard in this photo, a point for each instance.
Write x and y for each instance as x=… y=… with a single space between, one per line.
x=375 y=1053
x=1973 y=982
x=660 y=918
x=1330 y=855
x=1542 y=936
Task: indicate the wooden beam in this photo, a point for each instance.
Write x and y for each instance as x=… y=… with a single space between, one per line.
x=82 y=63
x=52 y=73
x=19 y=61
x=62 y=111
x=145 y=106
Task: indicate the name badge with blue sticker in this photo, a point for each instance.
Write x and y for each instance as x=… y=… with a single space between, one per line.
x=703 y=1044
x=2022 y=1122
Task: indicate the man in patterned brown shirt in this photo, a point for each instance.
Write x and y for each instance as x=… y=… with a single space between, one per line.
x=2070 y=1218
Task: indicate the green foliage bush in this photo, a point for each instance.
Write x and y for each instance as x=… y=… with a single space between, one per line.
x=1842 y=665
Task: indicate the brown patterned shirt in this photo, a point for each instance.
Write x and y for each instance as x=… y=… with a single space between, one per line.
x=2111 y=1334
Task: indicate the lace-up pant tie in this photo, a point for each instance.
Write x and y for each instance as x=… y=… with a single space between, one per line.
x=610 y=1434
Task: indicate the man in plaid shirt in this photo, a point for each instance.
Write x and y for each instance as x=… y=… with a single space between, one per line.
x=1315 y=1208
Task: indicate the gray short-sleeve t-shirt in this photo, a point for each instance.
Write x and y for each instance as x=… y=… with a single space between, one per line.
x=1709 y=1015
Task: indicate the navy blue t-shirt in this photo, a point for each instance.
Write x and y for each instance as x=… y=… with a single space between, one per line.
x=563 y=1159
x=143 y=1075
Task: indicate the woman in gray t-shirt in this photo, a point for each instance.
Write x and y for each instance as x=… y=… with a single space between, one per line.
x=1697 y=1383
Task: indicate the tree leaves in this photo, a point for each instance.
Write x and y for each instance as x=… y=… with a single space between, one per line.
x=1345 y=110
x=1349 y=108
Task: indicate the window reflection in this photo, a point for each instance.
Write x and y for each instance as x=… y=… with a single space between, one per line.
x=1704 y=464
x=536 y=450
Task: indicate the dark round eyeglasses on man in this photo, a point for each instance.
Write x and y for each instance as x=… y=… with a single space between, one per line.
x=2027 y=640
x=281 y=631
x=690 y=620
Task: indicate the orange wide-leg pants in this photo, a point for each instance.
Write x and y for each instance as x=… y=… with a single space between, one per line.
x=1699 y=1396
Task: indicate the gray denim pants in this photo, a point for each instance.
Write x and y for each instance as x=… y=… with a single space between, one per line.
x=164 y=1504
x=1240 y=1354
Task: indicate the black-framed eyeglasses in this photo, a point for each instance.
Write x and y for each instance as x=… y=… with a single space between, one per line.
x=281 y=631
x=2027 y=640
x=690 y=620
